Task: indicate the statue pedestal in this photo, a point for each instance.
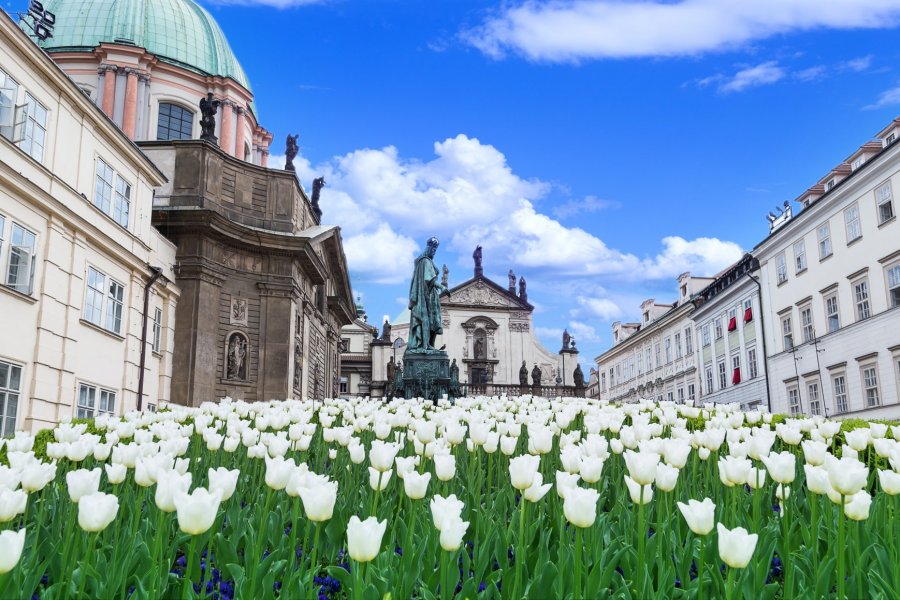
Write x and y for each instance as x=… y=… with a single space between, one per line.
x=426 y=374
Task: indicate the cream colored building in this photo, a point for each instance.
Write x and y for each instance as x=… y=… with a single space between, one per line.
x=77 y=250
x=356 y=355
x=655 y=358
x=831 y=291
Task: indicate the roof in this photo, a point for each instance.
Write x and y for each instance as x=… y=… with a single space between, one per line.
x=179 y=32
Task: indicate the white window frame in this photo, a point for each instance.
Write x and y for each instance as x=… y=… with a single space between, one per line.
x=892 y=278
x=692 y=393
x=832 y=312
x=723 y=374
x=99 y=399
x=884 y=202
x=862 y=298
x=823 y=235
x=793 y=393
x=806 y=323
x=709 y=379
x=719 y=330
x=869 y=381
x=22 y=254
x=9 y=97
x=851 y=221
x=752 y=365
x=799 y=256
x=112 y=193
x=30 y=127
x=678 y=345
x=657 y=351
x=688 y=341
x=787 y=333
x=681 y=395
x=706 y=335
x=102 y=289
x=781 y=268
x=814 y=393
x=157 y=329
x=839 y=387
x=7 y=421
x=668 y=346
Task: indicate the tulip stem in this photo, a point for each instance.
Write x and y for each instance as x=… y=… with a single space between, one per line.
x=92 y=542
x=188 y=588
x=786 y=548
x=839 y=550
x=313 y=561
x=729 y=586
x=700 y=568
x=578 y=564
x=260 y=539
x=358 y=580
x=445 y=584
x=642 y=540
x=520 y=551
x=859 y=553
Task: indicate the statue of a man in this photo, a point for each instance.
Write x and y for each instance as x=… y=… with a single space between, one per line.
x=536 y=376
x=317 y=185
x=523 y=294
x=578 y=376
x=290 y=152
x=454 y=380
x=523 y=374
x=386 y=331
x=208 y=110
x=391 y=371
x=512 y=282
x=425 y=301
x=445 y=276
x=477 y=256
x=566 y=339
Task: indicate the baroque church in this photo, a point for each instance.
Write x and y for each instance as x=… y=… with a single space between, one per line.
x=149 y=264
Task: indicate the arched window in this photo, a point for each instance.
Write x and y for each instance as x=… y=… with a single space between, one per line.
x=248 y=157
x=175 y=122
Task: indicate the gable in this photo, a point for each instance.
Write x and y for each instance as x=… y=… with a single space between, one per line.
x=482 y=293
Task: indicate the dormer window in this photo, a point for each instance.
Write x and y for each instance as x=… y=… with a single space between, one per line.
x=830 y=184
x=857 y=163
x=646 y=316
x=890 y=139
x=683 y=291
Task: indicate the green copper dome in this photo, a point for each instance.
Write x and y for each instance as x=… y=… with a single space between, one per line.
x=177 y=31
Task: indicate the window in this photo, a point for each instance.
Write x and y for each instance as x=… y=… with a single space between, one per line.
x=680 y=395
x=723 y=376
x=890 y=139
x=732 y=319
x=89 y=404
x=752 y=368
x=670 y=396
x=861 y=292
x=94 y=306
x=870 y=385
x=736 y=369
x=112 y=194
x=344 y=385
x=649 y=361
x=688 y=341
x=815 y=405
x=668 y=350
x=10 y=381
x=787 y=333
x=709 y=380
x=851 y=219
x=30 y=127
x=893 y=277
x=781 y=268
x=706 y=335
x=718 y=325
x=824 y=235
x=794 y=400
x=799 y=256
x=748 y=310
x=840 y=393
x=175 y=122
x=157 y=328
x=692 y=393
x=885 y=201
x=831 y=313
x=21 y=260
x=9 y=94
x=602 y=382
x=677 y=345
x=658 y=363
x=640 y=362
x=857 y=163
x=806 y=323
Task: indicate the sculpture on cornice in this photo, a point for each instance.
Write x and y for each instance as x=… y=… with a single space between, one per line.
x=318 y=184
x=391 y=371
x=445 y=276
x=536 y=376
x=512 y=282
x=523 y=295
x=477 y=256
x=578 y=376
x=290 y=152
x=566 y=339
x=424 y=301
x=523 y=374
x=208 y=110
x=386 y=331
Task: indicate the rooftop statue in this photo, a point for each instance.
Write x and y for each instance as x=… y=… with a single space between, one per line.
x=290 y=152
x=208 y=110
x=424 y=301
x=318 y=184
x=477 y=256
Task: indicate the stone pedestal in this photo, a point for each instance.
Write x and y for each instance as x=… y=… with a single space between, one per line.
x=426 y=375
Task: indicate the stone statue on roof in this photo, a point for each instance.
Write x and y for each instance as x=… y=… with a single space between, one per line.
x=290 y=152
x=208 y=109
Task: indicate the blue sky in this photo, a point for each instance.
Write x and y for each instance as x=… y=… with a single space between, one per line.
x=598 y=148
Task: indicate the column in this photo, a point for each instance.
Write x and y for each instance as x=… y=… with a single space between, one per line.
x=226 y=140
x=239 y=133
x=109 y=89
x=129 y=119
x=265 y=158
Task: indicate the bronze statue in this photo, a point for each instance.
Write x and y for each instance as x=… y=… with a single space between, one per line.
x=578 y=376
x=386 y=331
x=477 y=256
x=318 y=184
x=290 y=152
x=208 y=110
x=536 y=376
x=391 y=371
x=455 y=391
x=523 y=374
x=523 y=295
x=424 y=301
x=397 y=388
x=445 y=276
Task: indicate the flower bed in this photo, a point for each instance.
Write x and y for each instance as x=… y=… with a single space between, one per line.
x=361 y=499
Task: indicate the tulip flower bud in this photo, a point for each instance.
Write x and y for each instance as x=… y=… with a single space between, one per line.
x=700 y=516
x=522 y=470
x=580 y=506
x=197 y=511
x=12 y=503
x=537 y=490
x=736 y=546
x=666 y=477
x=444 y=510
x=378 y=480
x=168 y=483
x=319 y=497
x=452 y=534
x=416 y=485
x=857 y=506
x=445 y=466
x=639 y=494
x=11 y=545
x=96 y=511
x=223 y=481
x=364 y=538
x=889 y=482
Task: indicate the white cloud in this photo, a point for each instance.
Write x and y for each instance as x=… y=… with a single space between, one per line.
x=889 y=97
x=858 y=64
x=582 y=332
x=603 y=308
x=589 y=204
x=702 y=257
x=811 y=74
x=554 y=30
x=762 y=74
x=468 y=195
x=270 y=3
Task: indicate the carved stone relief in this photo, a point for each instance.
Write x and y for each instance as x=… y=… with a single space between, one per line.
x=479 y=294
x=238 y=312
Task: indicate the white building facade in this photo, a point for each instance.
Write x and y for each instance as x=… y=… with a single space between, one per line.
x=831 y=289
x=730 y=341
x=77 y=251
x=655 y=358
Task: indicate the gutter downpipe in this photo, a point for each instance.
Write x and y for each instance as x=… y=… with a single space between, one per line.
x=155 y=273
x=762 y=322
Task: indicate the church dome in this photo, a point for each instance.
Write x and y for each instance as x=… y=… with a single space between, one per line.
x=179 y=32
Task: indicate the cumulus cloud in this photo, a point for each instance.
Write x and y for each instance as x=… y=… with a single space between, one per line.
x=589 y=204
x=572 y=30
x=269 y=3
x=467 y=194
x=582 y=332
x=604 y=308
x=889 y=97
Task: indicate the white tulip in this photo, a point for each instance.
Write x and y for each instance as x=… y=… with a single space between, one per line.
x=580 y=506
x=642 y=466
x=736 y=546
x=197 y=511
x=12 y=503
x=364 y=538
x=416 y=485
x=96 y=511
x=115 y=473
x=537 y=490
x=82 y=482
x=444 y=466
x=639 y=494
x=522 y=470
x=11 y=545
x=378 y=480
x=700 y=516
